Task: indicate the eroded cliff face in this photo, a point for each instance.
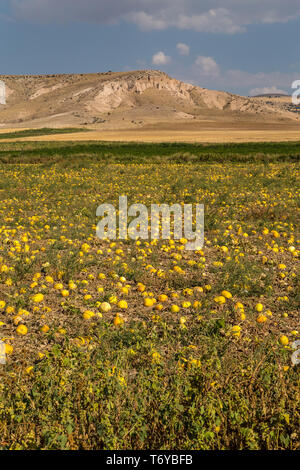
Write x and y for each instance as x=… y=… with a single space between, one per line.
x=122 y=91
x=89 y=98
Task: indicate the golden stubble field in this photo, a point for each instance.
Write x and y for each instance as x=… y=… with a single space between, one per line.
x=138 y=135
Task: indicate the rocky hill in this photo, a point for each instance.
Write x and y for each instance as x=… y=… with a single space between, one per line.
x=122 y=100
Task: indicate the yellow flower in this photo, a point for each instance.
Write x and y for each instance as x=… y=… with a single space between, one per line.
x=195 y=362
x=162 y=298
x=236 y=330
x=239 y=306
x=198 y=289
x=45 y=329
x=122 y=381
x=10 y=309
x=22 y=330
x=17 y=319
x=58 y=286
x=156 y=356
x=37 y=298
x=85 y=247
x=159 y=307
x=22 y=311
x=80 y=341
x=123 y=304
x=118 y=320
x=148 y=302
x=261 y=318
x=175 y=309
x=2 y=304
x=220 y=299
x=65 y=293
x=88 y=314
x=188 y=292
x=226 y=294
x=259 y=307
x=8 y=349
x=284 y=340
x=29 y=370
x=113 y=299
x=105 y=307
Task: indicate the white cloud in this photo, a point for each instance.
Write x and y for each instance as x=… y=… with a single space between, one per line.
x=160 y=58
x=207 y=66
x=205 y=72
x=240 y=78
x=219 y=20
x=183 y=49
x=146 y=22
x=213 y=16
x=266 y=91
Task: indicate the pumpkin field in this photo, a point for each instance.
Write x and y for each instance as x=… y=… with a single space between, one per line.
x=138 y=344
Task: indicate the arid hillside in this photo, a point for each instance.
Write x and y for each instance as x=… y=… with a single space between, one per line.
x=130 y=100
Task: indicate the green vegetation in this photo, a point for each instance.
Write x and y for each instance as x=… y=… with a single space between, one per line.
x=37 y=132
x=70 y=152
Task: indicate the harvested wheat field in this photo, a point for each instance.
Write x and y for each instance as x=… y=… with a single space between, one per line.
x=175 y=136
x=157 y=133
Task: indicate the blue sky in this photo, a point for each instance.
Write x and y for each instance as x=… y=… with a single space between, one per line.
x=242 y=46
